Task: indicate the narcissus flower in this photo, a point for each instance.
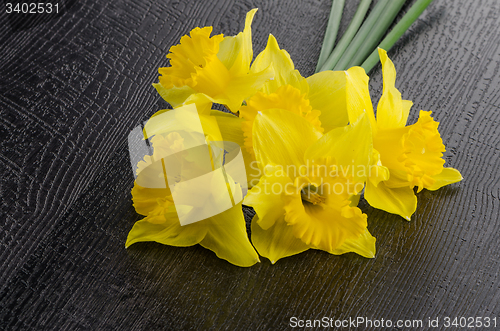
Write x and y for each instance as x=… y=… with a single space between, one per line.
x=413 y=154
x=217 y=66
x=184 y=191
x=303 y=200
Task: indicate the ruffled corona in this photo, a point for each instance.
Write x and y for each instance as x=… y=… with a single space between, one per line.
x=422 y=152
x=189 y=58
x=325 y=219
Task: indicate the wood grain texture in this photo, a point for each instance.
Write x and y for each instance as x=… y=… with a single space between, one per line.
x=73 y=86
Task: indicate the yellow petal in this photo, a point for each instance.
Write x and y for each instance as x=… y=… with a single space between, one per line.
x=266 y=197
x=230 y=126
x=397 y=179
x=277 y=241
x=240 y=88
x=349 y=148
x=212 y=79
x=389 y=143
x=175 y=96
x=168 y=232
x=209 y=124
x=407 y=104
x=446 y=177
x=281 y=138
x=388 y=70
x=327 y=93
x=358 y=96
x=145 y=199
x=423 y=151
x=377 y=172
x=202 y=101
x=230 y=129
x=390 y=111
x=236 y=52
x=225 y=233
x=401 y=201
x=285 y=97
x=193 y=52
x=364 y=246
x=184 y=118
x=227 y=237
x=284 y=69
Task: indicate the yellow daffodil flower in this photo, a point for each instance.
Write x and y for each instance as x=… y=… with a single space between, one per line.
x=170 y=202
x=217 y=66
x=412 y=154
x=307 y=195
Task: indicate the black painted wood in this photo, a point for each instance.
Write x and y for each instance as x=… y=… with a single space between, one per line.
x=73 y=85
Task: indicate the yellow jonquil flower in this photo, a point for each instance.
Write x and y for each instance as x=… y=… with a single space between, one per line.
x=307 y=195
x=216 y=66
x=413 y=154
x=177 y=212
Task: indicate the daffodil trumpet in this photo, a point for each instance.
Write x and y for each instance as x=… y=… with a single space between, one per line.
x=308 y=208
x=413 y=154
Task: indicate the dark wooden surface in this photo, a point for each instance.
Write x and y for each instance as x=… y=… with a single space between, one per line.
x=73 y=85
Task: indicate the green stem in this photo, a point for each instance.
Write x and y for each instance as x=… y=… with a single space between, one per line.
x=331 y=31
x=347 y=37
x=378 y=31
x=397 y=32
x=360 y=37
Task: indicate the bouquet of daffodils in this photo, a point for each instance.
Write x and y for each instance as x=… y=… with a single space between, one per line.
x=300 y=151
